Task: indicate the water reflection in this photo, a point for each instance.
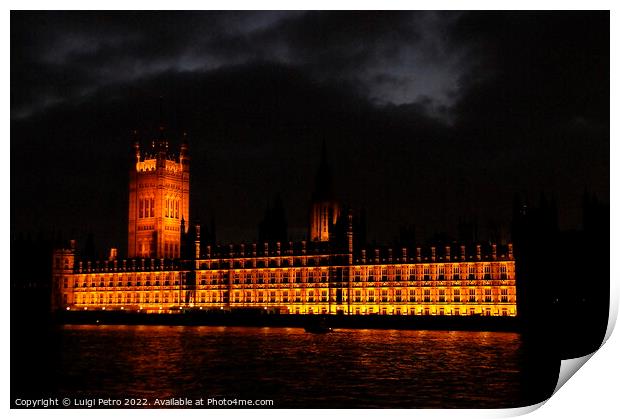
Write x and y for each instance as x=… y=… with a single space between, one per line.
x=349 y=368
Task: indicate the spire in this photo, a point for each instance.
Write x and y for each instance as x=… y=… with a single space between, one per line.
x=184 y=154
x=323 y=190
x=184 y=144
x=160 y=144
x=161 y=115
x=135 y=146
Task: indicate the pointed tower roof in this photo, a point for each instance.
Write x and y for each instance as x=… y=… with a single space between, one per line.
x=160 y=144
x=323 y=188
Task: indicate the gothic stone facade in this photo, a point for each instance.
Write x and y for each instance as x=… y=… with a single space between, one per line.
x=294 y=280
x=158 y=201
x=315 y=277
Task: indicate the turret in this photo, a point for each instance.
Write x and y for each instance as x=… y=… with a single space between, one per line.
x=160 y=148
x=62 y=268
x=184 y=154
x=324 y=210
x=158 y=199
x=135 y=147
x=350 y=237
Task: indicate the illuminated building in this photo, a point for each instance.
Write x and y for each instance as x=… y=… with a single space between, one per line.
x=324 y=275
x=158 y=200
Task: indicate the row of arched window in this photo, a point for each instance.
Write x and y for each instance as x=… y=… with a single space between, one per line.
x=146 y=207
x=172 y=208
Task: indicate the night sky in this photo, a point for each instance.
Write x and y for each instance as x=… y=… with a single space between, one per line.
x=428 y=117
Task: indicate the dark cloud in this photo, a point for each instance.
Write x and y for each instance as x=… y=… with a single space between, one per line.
x=429 y=117
x=537 y=100
x=75 y=54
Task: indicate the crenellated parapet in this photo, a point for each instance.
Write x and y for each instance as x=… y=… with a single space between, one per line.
x=454 y=252
x=130 y=265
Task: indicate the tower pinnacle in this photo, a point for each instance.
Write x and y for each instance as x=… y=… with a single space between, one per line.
x=324 y=211
x=323 y=189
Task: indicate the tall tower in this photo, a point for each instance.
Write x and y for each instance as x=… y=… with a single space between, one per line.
x=158 y=199
x=324 y=210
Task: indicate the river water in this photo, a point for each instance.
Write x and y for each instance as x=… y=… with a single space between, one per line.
x=346 y=368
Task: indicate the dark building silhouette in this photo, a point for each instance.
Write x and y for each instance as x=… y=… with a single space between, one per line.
x=562 y=276
x=324 y=208
x=273 y=227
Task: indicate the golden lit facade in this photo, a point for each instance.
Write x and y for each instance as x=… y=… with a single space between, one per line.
x=158 y=201
x=296 y=281
x=314 y=277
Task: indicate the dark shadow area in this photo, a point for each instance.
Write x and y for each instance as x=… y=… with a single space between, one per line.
x=562 y=286
x=35 y=341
